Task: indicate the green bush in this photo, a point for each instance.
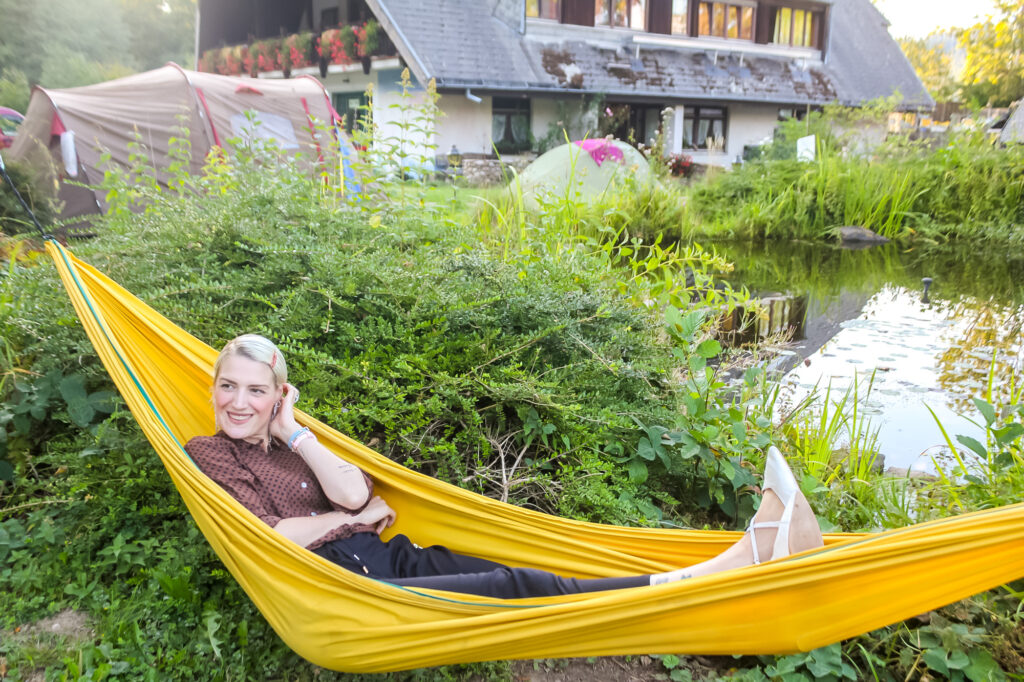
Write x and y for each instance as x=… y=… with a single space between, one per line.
x=13 y=218
x=14 y=90
x=964 y=187
x=403 y=329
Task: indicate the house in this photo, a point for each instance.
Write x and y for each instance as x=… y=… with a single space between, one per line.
x=1012 y=131
x=513 y=73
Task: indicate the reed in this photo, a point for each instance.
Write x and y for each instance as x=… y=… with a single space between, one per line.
x=966 y=187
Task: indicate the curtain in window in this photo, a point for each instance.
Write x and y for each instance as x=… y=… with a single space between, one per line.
x=679 y=17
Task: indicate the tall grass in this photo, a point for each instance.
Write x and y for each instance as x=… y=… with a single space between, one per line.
x=964 y=186
x=616 y=226
x=832 y=438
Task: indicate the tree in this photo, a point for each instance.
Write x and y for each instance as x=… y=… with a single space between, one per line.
x=160 y=31
x=66 y=43
x=993 y=74
x=932 y=59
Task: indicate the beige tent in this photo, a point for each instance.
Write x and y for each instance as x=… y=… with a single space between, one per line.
x=66 y=132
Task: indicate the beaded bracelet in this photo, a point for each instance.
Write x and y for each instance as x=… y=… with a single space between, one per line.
x=300 y=439
x=298 y=436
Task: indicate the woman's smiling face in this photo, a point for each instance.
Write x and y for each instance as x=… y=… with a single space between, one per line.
x=243 y=398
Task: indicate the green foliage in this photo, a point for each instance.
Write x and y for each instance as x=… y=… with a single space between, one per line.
x=64 y=67
x=992 y=70
x=932 y=59
x=65 y=43
x=989 y=474
x=965 y=188
x=14 y=89
x=573 y=121
x=993 y=73
x=13 y=218
x=549 y=359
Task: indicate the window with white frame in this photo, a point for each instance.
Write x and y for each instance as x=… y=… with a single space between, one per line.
x=510 y=125
x=704 y=127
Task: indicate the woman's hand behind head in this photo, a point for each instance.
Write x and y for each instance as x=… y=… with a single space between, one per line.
x=283 y=425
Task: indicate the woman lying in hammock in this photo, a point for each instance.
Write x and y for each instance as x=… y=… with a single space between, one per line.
x=279 y=471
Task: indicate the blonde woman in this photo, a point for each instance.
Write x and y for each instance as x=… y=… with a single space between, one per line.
x=282 y=474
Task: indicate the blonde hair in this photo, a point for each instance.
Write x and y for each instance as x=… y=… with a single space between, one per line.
x=258 y=349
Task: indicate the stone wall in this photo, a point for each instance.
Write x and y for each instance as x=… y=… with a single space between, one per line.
x=482 y=172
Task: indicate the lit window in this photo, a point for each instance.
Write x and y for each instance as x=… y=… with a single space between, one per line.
x=626 y=13
x=704 y=127
x=724 y=20
x=679 y=17
x=796 y=27
x=544 y=9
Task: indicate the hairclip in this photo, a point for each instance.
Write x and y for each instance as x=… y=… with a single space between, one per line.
x=273 y=360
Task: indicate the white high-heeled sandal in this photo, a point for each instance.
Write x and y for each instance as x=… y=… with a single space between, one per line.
x=778 y=478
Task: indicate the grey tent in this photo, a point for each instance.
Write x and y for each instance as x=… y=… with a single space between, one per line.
x=66 y=132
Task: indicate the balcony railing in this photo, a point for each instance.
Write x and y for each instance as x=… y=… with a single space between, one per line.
x=349 y=44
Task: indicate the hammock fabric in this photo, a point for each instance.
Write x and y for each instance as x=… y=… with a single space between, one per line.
x=343 y=621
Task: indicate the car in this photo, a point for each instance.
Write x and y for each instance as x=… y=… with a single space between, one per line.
x=9 y=122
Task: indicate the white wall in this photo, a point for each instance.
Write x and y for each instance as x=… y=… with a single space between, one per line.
x=543 y=114
x=749 y=124
x=746 y=124
x=354 y=81
x=465 y=124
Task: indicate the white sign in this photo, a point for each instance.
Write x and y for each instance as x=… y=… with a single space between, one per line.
x=805 y=148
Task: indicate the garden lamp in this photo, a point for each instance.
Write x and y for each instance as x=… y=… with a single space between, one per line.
x=927 y=282
x=455 y=158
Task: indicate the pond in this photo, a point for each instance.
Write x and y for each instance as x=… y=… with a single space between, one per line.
x=865 y=314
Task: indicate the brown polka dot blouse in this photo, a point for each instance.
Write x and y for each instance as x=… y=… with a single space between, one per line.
x=275 y=484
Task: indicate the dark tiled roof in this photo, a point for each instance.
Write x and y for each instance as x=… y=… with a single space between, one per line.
x=678 y=73
x=866 y=63
x=454 y=40
x=477 y=43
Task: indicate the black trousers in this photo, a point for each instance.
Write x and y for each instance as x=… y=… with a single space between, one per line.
x=401 y=562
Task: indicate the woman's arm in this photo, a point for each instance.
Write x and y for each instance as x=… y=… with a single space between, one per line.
x=342 y=482
x=303 y=530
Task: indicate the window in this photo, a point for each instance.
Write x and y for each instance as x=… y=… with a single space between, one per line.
x=626 y=13
x=726 y=20
x=544 y=9
x=680 y=17
x=328 y=18
x=704 y=127
x=351 y=106
x=356 y=11
x=510 y=125
x=796 y=27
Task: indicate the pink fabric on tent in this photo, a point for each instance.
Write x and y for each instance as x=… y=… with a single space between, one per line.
x=57 y=125
x=601 y=150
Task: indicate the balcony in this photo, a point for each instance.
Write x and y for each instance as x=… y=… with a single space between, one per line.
x=343 y=45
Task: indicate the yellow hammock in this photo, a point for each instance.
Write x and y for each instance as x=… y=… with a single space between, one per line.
x=344 y=621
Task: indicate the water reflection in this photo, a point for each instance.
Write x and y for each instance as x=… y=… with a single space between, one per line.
x=866 y=315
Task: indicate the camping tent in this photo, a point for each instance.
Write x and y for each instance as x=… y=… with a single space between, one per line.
x=586 y=168
x=66 y=132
